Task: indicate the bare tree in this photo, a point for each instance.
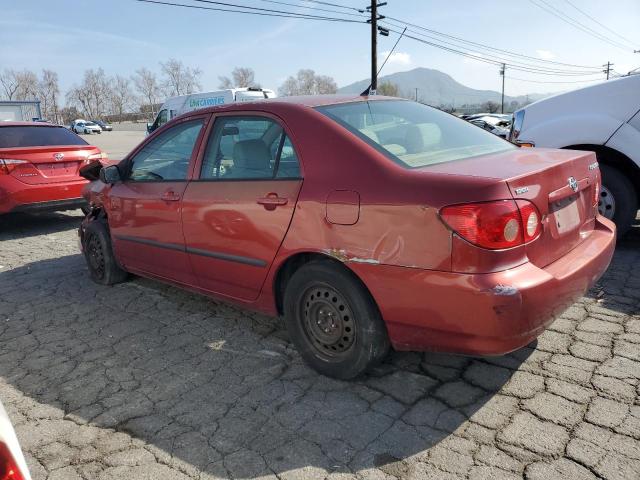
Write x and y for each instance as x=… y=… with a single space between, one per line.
x=490 y=106
x=49 y=92
x=121 y=97
x=389 y=89
x=240 y=77
x=27 y=85
x=306 y=82
x=92 y=95
x=146 y=84
x=9 y=83
x=179 y=79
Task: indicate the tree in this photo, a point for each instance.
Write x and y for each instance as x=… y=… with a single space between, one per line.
x=146 y=84
x=306 y=82
x=179 y=79
x=92 y=95
x=9 y=82
x=241 y=77
x=389 y=89
x=490 y=106
x=121 y=95
x=49 y=92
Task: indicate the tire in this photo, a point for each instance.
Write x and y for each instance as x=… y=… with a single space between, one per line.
x=618 y=200
x=333 y=321
x=98 y=254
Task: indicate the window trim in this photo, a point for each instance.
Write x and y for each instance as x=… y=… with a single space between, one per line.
x=246 y=113
x=127 y=163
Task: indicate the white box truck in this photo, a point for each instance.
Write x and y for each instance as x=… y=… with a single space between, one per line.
x=175 y=106
x=603 y=118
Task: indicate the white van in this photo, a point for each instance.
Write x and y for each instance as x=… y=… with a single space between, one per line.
x=603 y=118
x=175 y=106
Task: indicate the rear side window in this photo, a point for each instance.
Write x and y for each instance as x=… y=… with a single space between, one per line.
x=243 y=148
x=37 y=136
x=414 y=135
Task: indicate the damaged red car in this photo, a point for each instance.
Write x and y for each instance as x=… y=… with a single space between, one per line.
x=367 y=222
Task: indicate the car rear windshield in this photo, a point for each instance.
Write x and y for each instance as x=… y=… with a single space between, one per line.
x=37 y=136
x=414 y=135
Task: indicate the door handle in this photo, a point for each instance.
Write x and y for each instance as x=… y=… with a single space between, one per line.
x=170 y=196
x=272 y=200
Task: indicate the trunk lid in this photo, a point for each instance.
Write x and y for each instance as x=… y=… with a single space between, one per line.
x=560 y=183
x=48 y=164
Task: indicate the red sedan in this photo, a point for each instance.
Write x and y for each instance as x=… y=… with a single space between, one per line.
x=39 y=167
x=366 y=222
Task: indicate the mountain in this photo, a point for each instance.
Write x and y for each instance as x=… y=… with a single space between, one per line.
x=437 y=88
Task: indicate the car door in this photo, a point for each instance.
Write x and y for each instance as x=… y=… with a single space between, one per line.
x=238 y=209
x=144 y=210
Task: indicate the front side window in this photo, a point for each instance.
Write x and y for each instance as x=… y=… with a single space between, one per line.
x=414 y=135
x=249 y=147
x=167 y=156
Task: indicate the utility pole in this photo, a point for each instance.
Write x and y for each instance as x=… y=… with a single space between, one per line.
x=416 y=94
x=607 y=68
x=373 y=9
x=502 y=70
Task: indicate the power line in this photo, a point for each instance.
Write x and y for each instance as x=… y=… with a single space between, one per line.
x=487 y=47
x=552 y=81
x=277 y=2
x=575 y=23
x=504 y=60
x=334 y=5
x=600 y=23
x=225 y=4
x=264 y=14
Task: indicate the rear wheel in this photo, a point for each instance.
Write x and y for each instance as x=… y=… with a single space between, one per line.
x=618 y=200
x=333 y=321
x=98 y=254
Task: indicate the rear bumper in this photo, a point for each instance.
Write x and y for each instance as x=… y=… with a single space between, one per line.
x=16 y=196
x=484 y=314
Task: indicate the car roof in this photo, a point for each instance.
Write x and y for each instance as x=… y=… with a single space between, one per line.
x=27 y=124
x=304 y=101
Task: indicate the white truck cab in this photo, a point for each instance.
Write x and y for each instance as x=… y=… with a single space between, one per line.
x=603 y=118
x=175 y=106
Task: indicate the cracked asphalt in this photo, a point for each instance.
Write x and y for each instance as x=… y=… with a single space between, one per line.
x=145 y=381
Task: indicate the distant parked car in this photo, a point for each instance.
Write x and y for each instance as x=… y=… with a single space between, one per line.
x=603 y=118
x=484 y=122
x=411 y=227
x=39 y=167
x=12 y=463
x=106 y=127
x=84 y=126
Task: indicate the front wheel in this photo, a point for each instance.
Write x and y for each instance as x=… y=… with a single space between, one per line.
x=333 y=321
x=103 y=267
x=618 y=200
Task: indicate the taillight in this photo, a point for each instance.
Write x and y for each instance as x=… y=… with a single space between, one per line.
x=9 y=469
x=494 y=225
x=7 y=165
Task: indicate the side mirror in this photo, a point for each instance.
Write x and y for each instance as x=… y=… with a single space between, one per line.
x=110 y=175
x=149 y=125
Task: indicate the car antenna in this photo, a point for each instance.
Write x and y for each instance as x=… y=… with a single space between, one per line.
x=367 y=91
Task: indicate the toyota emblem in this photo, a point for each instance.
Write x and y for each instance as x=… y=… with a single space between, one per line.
x=58 y=156
x=573 y=184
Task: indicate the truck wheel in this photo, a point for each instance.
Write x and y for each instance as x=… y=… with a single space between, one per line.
x=618 y=200
x=99 y=256
x=333 y=321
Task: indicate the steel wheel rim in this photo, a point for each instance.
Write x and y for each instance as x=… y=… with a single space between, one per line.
x=606 y=203
x=95 y=255
x=328 y=320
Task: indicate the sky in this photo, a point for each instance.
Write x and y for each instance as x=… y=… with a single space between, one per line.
x=121 y=36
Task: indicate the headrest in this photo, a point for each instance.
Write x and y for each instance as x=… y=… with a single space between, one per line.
x=421 y=136
x=252 y=155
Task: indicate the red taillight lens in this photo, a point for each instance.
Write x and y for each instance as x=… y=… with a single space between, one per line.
x=8 y=467
x=531 y=223
x=494 y=225
x=7 y=165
